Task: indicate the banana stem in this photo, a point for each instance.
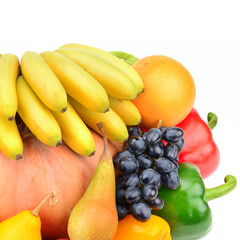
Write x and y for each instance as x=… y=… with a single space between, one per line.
x=52 y=202
x=24 y=130
x=227 y=187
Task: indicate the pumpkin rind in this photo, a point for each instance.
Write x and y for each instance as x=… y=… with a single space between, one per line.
x=24 y=183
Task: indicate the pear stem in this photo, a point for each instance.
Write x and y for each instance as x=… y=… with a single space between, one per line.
x=52 y=202
x=105 y=141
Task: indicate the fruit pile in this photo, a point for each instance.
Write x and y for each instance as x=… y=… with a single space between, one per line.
x=59 y=94
x=148 y=161
x=61 y=107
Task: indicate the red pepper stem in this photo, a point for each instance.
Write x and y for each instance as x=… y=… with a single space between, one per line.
x=227 y=187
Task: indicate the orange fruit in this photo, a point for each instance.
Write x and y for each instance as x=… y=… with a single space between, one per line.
x=169 y=91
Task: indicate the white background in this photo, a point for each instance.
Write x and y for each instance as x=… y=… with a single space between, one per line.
x=203 y=35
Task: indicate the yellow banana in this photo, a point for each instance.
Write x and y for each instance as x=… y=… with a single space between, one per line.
x=125 y=110
x=43 y=81
x=74 y=132
x=77 y=82
x=113 y=125
x=9 y=70
x=111 y=59
x=11 y=144
x=36 y=115
x=116 y=83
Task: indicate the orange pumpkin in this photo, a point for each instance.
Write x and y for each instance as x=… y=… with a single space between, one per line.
x=43 y=169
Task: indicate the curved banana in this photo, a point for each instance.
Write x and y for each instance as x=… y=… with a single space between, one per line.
x=36 y=115
x=9 y=70
x=77 y=82
x=114 y=126
x=126 y=110
x=74 y=132
x=116 y=83
x=11 y=144
x=43 y=81
x=110 y=59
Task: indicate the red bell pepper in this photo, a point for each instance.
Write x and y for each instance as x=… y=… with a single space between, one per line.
x=200 y=147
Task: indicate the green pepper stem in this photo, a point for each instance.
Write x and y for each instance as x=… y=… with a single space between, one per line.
x=227 y=187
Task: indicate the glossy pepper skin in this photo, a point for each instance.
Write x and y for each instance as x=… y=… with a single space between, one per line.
x=155 y=228
x=186 y=209
x=200 y=147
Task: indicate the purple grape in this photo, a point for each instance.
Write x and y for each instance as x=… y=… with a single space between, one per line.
x=141 y=211
x=163 y=165
x=150 y=177
x=156 y=150
x=173 y=134
x=136 y=145
x=132 y=195
x=156 y=204
x=122 y=211
x=118 y=156
x=144 y=161
x=149 y=192
x=154 y=135
x=128 y=165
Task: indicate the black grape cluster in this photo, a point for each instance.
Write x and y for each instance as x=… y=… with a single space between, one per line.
x=149 y=161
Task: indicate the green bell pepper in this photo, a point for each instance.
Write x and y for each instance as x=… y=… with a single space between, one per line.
x=186 y=208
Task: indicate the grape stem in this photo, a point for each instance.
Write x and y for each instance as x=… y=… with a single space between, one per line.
x=159 y=123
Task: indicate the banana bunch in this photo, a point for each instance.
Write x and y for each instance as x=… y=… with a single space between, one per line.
x=60 y=94
x=11 y=144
